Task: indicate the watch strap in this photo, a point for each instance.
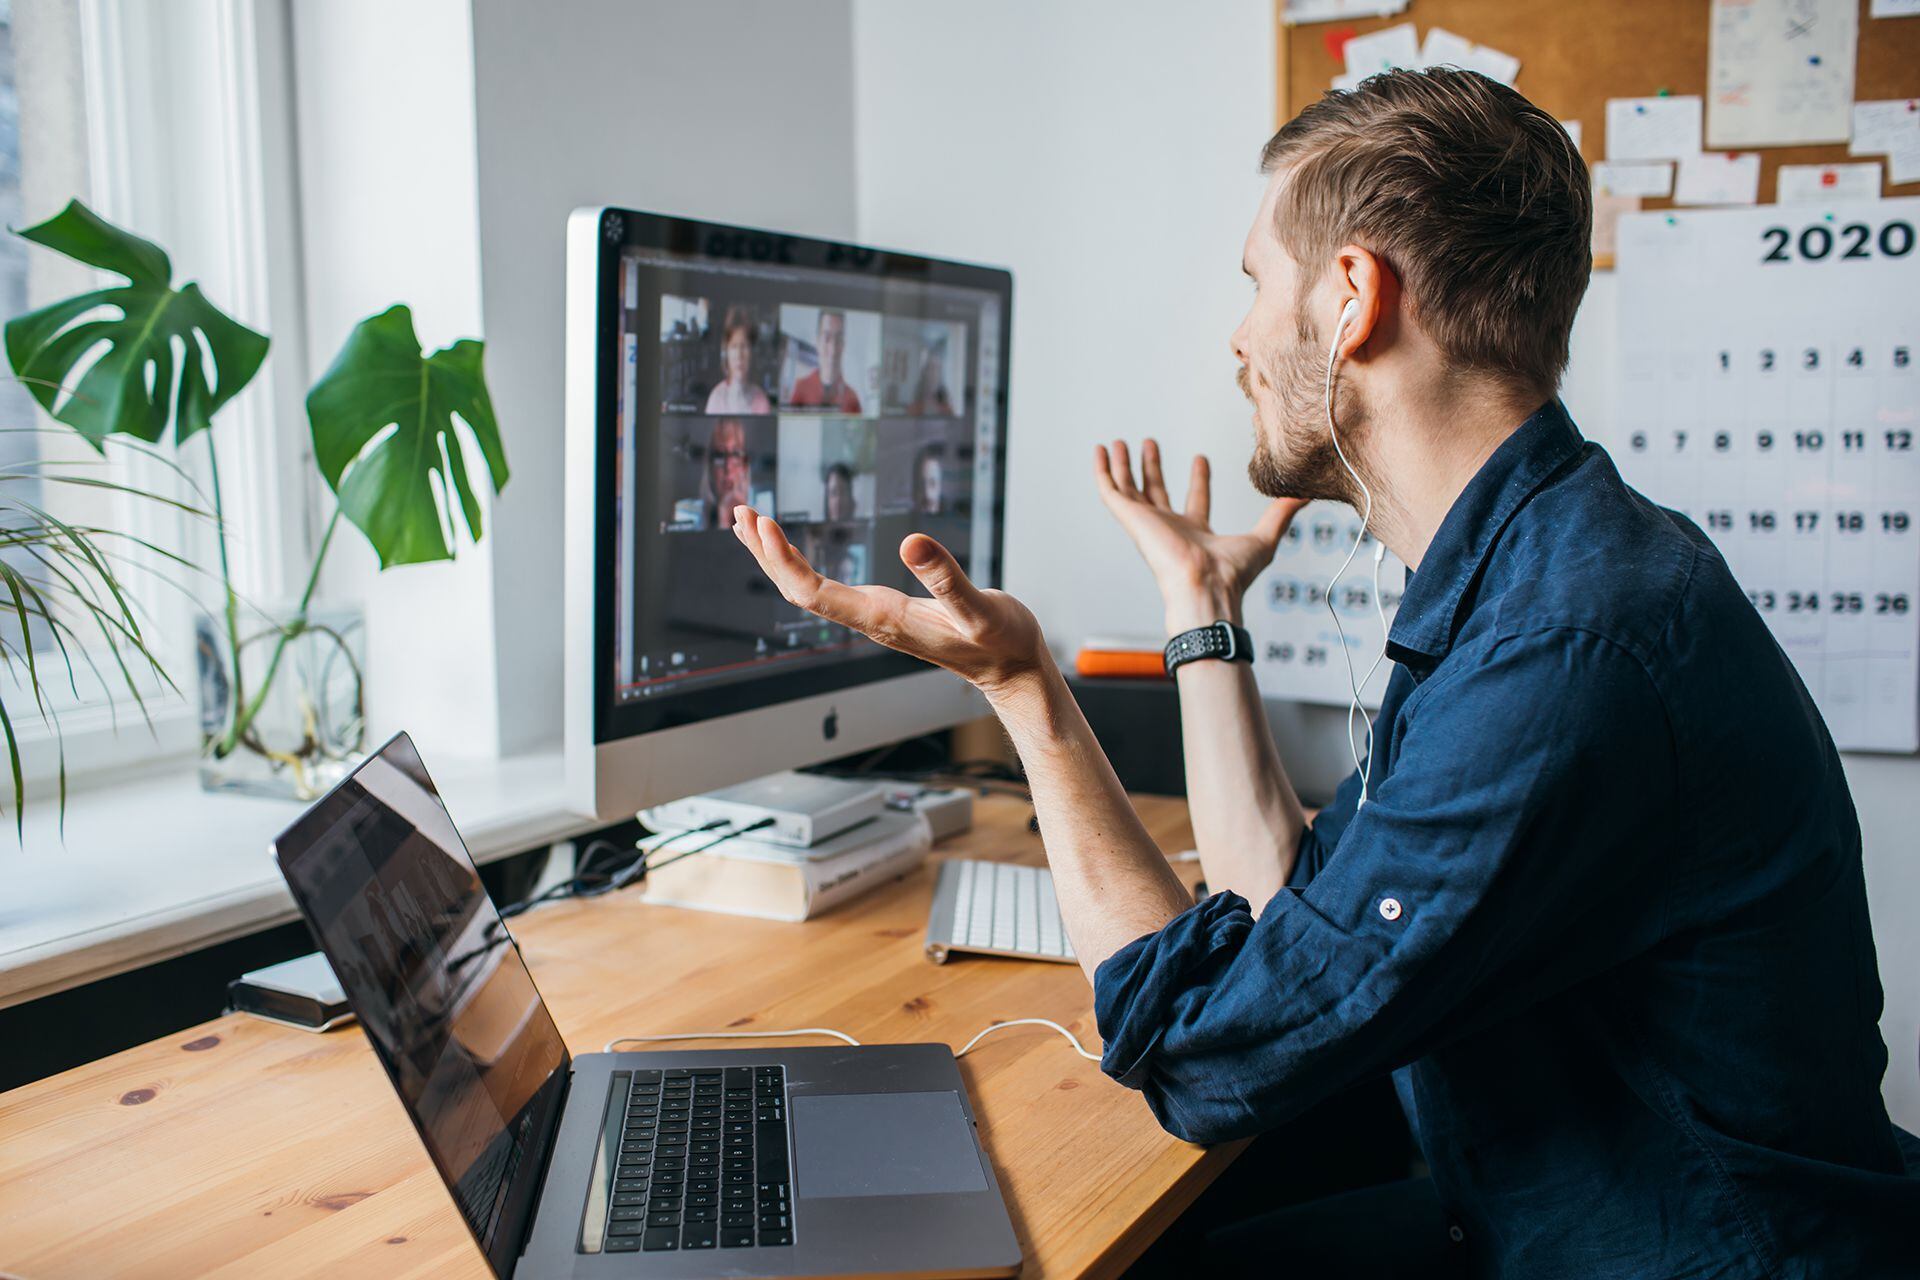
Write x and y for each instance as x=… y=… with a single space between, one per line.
x=1221 y=640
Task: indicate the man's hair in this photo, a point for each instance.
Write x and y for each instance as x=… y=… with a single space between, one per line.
x=1475 y=198
x=830 y=313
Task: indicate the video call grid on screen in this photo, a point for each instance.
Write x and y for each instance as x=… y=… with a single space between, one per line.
x=856 y=410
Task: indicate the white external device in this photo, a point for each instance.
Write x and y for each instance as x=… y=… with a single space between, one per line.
x=806 y=808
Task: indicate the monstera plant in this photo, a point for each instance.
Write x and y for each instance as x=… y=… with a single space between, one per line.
x=147 y=360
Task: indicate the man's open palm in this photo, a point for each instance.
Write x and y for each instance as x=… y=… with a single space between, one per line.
x=986 y=637
x=1181 y=547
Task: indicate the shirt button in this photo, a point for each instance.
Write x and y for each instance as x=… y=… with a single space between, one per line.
x=1455 y=1234
x=1389 y=908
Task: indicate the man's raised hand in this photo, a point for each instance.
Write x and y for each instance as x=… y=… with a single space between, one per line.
x=1202 y=574
x=984 y=636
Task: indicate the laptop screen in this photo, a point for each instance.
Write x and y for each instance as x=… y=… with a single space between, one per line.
x=437 y=982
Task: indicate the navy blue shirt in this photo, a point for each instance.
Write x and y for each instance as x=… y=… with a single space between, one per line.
x=1602 y=916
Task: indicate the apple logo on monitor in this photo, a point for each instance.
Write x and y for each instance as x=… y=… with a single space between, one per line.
x=830 y=725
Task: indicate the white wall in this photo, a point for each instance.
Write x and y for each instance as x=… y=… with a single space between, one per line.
x=731 y=110
x=1111 y=163
x=383 y=115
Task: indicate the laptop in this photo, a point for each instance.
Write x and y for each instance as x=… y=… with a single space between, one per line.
x=761 y=1162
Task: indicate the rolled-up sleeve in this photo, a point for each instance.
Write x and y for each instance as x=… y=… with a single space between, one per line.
x=1492 y=865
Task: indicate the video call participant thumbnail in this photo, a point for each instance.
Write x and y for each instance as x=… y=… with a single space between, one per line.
x=828 y=351
x=738 y=391
x=925 y=367
x=709 y=463
x=925 y=470
x=826 y=469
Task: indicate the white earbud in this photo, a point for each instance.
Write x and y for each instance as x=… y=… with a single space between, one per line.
x=1348 y=314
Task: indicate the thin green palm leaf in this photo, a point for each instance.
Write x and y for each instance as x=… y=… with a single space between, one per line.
x=386 y=422
x=132 y=388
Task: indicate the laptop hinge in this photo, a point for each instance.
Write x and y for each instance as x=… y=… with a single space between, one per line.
x=549 y=1139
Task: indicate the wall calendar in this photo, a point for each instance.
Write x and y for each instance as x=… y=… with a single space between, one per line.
x=1767 y=389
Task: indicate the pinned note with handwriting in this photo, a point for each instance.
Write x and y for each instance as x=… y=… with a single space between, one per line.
x=1780 y=71
x=1883 y=127
x=1653 y=128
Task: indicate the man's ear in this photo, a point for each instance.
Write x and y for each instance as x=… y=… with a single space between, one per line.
x=1360 y=277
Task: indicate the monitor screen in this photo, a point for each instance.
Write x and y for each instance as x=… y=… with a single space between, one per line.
x=854 y=395
x=394 y=901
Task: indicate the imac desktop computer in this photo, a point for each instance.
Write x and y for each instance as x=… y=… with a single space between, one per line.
x=857 y=395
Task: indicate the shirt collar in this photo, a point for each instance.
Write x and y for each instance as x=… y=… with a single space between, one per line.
x=1428 y=616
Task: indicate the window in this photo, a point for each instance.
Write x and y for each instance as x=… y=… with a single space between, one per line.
x=150 y=114
x=44 y=161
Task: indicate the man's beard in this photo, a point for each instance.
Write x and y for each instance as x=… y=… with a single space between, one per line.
x=1308 y=465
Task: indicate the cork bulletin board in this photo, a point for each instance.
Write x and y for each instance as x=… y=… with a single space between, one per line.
x=1573 y=57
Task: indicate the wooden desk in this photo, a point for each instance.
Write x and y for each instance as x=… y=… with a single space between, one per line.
x=242 y=1149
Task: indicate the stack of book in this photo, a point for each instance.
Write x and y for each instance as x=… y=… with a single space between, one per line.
x=747 y=877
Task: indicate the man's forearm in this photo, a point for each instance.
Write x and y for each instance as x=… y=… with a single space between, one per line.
x=1246 y=815
x=1112 y=882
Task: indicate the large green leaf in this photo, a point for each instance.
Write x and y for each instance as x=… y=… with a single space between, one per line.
x=384 y=478
x=132 y=388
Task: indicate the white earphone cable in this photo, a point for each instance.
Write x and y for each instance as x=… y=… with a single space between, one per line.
x=1366 y=515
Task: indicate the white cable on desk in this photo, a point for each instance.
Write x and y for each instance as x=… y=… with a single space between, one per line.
x=844 y=1037
x=1037 y=1022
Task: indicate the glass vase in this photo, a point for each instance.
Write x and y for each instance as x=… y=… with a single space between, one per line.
x=308 y=729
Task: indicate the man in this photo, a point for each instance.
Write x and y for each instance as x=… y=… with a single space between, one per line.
x=836 y=496
x=1601 y=911
x=727 y=480
x=826 y=387
x=929 y=480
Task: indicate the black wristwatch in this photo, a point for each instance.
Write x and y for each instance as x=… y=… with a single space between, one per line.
x=1220 y=640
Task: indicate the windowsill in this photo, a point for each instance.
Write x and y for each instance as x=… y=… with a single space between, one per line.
x=154 y=867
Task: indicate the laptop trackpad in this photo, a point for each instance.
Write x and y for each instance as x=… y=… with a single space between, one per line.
x=883 y=1144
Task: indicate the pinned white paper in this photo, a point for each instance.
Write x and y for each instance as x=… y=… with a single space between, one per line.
x=1780 y=71
x=1903 y=159
x=1828 y=183
x=1894 y=9
x=1637 y=179
x=1653 y=128
x=1443 y=48
x=1573 y=131
x=1718 y=177
x=1879 y=127
x=1299 y=11
x=1383 y=50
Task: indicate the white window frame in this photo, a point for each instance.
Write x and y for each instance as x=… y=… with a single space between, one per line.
x=190 y=141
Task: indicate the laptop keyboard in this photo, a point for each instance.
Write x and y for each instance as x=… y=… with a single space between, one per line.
x=702 y=1160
